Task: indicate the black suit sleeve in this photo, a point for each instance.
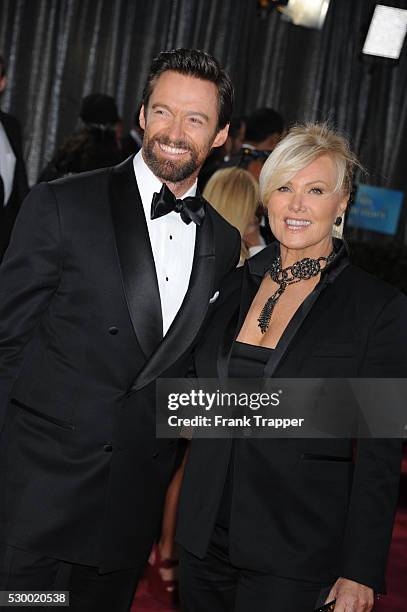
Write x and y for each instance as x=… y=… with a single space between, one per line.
x=236 y=253
x=13 y=131
x=29 y=276
x=20 y=174
x=20 y=184
x=377 y=466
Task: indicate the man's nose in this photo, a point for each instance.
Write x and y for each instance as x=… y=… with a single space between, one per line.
x=175 y=131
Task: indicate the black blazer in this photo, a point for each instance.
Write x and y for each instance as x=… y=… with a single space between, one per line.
x=83 y=477
x=302 y=508
x=20 y=186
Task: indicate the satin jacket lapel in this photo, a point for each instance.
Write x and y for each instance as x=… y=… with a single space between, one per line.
x=340 y=263
x=189 y=318
x=289 y=333
x=135 y=257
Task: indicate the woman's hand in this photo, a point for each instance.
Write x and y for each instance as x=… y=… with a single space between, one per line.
x=351 y=596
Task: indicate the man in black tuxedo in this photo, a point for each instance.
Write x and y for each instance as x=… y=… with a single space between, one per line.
x=105 y=287
x=13 y=177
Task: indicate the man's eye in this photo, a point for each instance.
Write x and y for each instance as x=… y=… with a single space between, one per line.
x=159 y=111
x=195 y=120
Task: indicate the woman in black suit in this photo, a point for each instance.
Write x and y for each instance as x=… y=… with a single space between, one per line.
x=284 y=525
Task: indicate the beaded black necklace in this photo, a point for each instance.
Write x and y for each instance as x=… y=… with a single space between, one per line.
x=301 y=270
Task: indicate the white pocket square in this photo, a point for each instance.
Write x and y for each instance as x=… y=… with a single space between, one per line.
x=214 y=297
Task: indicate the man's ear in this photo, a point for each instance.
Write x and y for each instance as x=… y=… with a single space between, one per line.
x=3 y=83
x=142 y=118
x=221 y=136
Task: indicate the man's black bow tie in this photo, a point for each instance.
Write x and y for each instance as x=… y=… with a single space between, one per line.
x=190 y=209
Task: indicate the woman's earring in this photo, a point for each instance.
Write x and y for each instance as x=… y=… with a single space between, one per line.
x=337 y=228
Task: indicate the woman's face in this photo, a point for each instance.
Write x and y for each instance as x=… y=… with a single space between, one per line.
x=302 y=212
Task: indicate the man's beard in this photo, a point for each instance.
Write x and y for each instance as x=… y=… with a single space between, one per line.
x=167 y=169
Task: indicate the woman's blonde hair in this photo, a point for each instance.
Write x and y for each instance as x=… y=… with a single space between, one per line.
x=301 y=146
x=234 y=193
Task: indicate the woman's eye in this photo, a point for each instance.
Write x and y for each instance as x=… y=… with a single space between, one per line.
x=283 y=188
x=316 y=190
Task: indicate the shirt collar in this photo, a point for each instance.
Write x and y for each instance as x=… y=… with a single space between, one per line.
x=148 y=183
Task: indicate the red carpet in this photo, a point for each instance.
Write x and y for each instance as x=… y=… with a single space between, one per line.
x=395 y=601
x=144 y=602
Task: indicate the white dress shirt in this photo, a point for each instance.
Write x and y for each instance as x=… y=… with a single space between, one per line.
x=172 y=242
x=7 y=164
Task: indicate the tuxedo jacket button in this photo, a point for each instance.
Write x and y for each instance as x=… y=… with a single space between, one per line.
x=113 y=330
x=107 y=448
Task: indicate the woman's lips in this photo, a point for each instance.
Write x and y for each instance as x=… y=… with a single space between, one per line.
x=297 y=225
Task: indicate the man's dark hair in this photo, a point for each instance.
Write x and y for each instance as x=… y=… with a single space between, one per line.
x=262 y=123
x=3 y=68
x=198 y=64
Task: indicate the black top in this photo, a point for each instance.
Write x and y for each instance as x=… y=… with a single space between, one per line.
x=246 y=361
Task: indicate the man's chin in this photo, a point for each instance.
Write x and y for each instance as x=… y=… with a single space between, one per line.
x=173 y=175
x=173 y=171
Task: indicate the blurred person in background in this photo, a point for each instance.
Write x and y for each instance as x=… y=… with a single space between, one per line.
x=94 y=146
x=13 y=176
x=234 y=193
x=236 y=136
x=264 y=129
x=221 y=157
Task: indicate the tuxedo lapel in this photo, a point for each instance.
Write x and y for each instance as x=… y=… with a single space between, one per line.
x=135 y=257
x=189 y=318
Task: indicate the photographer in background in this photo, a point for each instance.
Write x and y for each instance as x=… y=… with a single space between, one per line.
x=94 y=146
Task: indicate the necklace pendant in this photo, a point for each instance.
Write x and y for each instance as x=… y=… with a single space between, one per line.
x=265 y=315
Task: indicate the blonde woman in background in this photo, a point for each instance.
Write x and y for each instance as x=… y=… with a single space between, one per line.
x=234 y=193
